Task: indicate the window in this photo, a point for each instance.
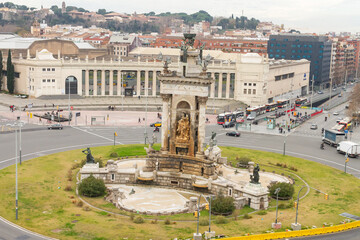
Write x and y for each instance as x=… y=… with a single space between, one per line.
x=284 y=45
x=291 y=75
x=293 y=45
x=299 y=51
x=254 y=91
x=285 y=76
x=277 y=50
x=44 y=69
x=310 y=46
x=282 y=56
x=277 y=78
x=53 y=80
x=44 y=80
x=53 y=69
x=310 y=51
x=270 y=50
x=283 y=50
x=277 y=55
x=298 y=45
x=244 y=90
x=48 y=69
x=48 y=80
x=112 y=177
x=285 y=40
x=271 y=45
x=245 y=84
x=271 y=55
x=249 y=84
x=254 y=84
x=249 y=91
x=278 y=44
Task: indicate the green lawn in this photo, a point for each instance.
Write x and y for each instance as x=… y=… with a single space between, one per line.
x=45 y=207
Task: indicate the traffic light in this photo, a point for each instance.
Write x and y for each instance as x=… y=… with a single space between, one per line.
x=115 y=133
x=326 y=196
x=207 y=206
x=195 y=214
x=295 y=204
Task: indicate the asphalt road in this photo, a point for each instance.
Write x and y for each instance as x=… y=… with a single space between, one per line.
x=38 y=142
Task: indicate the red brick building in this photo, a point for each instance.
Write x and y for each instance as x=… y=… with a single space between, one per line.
x=226 y=45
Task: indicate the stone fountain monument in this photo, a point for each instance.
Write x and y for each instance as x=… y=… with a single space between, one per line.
x=184 y=95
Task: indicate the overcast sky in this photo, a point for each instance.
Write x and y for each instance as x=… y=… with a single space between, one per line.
x=307 y=15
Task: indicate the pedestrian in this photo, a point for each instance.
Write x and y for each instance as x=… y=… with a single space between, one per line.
x=139 y=120
x=207 y=120
x=139 y=97
x=143 y=119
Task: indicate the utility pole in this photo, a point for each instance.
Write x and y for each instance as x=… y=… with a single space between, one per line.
x=330 y=92
x=69 y=99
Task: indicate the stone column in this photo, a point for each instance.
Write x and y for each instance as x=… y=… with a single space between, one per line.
x=119 y=82
x=146 y=83
x=227 y=85
x=95 y=80
x=86 y=82
x=201 y=130
x=164 y=123
x=220 y=85
x=102 y=82
x=111 y=82
x=212 y=86
x=154 y=83
x=138 y=83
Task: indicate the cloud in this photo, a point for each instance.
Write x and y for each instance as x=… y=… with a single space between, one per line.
x=315 y=15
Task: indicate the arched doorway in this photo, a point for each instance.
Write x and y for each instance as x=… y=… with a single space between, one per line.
x=71 y=84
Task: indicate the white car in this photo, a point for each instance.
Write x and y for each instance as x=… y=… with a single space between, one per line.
x=250 y=118
x=335 y=113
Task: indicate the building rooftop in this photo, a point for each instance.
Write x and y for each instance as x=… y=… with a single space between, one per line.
x=122 y=39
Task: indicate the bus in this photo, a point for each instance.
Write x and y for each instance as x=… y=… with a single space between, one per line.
x=282 y=103
x=346 y=122
x=258 y=110
x=225 y=117
x=271 y=107
x=300 y=101
x=238 y=114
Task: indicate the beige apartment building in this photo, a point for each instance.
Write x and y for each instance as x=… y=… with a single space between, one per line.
x=250 y=78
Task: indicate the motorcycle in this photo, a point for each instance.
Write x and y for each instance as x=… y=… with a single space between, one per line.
x=156 y=129
x=322 y=146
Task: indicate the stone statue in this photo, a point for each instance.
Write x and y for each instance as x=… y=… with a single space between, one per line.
x=89 y=156
x=184 y=49
x=201 y=51
x=255 y=177
x=183 y=129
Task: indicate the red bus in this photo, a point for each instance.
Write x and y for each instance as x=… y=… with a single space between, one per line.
x=300 y=101
x=271 y=107
x=282 y=103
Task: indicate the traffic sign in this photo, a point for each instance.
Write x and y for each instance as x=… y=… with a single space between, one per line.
x=346 y=131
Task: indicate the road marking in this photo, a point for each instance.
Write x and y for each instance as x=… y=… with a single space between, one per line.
x=97 y=135
x=54 y=149
x=294 y=153
x=23 y=229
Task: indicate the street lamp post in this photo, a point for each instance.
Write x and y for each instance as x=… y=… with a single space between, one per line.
x=277 y=199
x=297 y=204
x=312 y=91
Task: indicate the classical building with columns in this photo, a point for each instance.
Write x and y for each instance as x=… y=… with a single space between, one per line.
x=250 y=78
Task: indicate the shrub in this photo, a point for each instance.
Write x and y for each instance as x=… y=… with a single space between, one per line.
x=262 y=212
x=68 y=188
x=92 y=187
x=286 y=192
x=221 y=220
x=223 y=204
x=138 y=220
x=167 y=221
x=154 y=221
x=247 y=216
x=80 y=204
x=132 y=216
x=204 y=222
x=243 y=161
x=114 y=154
x=69 y=175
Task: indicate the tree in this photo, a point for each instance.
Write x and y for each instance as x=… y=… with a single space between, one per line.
x=286 y=192
x=223 y=204
x=10 y=74
x=92 y=187
x=354 y=103
x=1 y=69
x=101 y=11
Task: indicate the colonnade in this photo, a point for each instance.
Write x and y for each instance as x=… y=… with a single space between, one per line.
x=146 y=85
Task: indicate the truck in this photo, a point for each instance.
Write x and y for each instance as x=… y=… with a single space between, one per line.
x=333 y=137
x=349 y=148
